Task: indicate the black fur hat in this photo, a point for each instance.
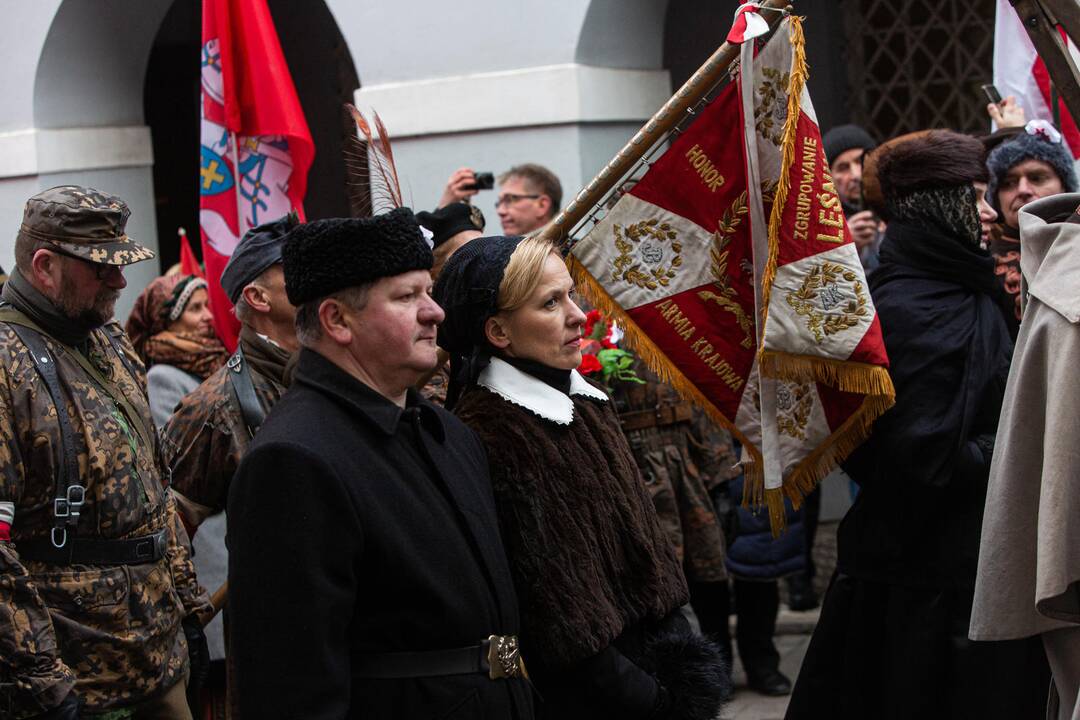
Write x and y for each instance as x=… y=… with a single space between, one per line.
x=928 y=160
x=324 y=256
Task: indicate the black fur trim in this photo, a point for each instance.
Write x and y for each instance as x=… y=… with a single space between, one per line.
x=693 y=672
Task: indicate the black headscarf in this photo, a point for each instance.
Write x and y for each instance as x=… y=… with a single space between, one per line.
x=468 y=291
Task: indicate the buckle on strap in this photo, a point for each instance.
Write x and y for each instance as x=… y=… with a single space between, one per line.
x=504 y=657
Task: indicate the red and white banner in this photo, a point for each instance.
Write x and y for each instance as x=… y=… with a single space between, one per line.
x=1019 y=71
x=256 y=147
x=675 y=262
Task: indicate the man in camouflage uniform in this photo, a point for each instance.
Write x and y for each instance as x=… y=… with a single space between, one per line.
x=209 y=433
x=98 y=598
x=684 y=459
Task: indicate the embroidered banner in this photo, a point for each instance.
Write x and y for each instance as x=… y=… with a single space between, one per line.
x=673 y=261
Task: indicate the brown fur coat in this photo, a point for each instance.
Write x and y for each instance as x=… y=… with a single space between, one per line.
x=586 y=551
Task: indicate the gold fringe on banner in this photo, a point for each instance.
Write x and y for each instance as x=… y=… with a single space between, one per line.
x=791 y=131
x=654 y=357
x=845 y=375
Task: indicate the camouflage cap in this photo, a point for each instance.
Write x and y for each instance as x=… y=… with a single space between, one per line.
x=83 y=222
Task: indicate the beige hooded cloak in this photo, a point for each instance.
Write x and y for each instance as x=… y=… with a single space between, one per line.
x=1028 y=580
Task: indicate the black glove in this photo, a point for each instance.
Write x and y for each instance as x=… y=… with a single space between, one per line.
x=67 y=710
x=199 y=657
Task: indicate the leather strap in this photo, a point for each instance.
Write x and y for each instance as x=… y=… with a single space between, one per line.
x=660 y=416
x=95 y=551
x=67 y=504
x=244 y=389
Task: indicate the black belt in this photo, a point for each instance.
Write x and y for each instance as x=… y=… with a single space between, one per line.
x=95 y=551
x=497 y=657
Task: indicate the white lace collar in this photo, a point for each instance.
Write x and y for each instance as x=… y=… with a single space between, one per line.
x=522 y=389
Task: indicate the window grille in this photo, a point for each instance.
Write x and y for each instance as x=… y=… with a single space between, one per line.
x=917 y=64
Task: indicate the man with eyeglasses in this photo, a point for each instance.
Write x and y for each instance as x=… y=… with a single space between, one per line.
x=99 y=605
x=529 y=197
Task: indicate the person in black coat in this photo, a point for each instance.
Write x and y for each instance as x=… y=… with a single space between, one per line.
x=892 y=638
x=367 y=577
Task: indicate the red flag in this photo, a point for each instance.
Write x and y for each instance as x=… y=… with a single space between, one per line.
x=189 y=264
x=256 y=147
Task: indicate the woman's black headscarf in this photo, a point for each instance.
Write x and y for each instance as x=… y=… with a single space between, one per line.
x=468 y=291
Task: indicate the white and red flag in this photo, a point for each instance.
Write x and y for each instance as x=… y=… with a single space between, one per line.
x=1019 y=71
x=256 y=147
x=731 y=256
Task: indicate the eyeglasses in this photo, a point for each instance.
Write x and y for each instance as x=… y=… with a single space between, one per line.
x=511 y=198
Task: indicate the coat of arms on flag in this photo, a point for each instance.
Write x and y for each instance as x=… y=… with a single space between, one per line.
x=255 y=145
x=732 y=269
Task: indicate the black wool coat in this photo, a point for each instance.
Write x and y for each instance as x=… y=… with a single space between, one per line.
x=356 y=527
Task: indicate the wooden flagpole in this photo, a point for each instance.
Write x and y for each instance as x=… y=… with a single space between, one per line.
x=1040 y=18
x=673 y=111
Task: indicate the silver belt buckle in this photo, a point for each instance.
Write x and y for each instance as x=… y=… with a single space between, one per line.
x=504 y=656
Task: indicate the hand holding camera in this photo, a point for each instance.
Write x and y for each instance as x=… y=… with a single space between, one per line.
x=464 y=183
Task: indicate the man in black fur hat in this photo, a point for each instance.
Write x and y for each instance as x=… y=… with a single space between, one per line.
x=366 y=572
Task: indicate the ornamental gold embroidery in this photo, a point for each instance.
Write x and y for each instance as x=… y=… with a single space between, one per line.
x=794 y=404
x=822 y=300
x=727 y=298
x=771 y=114
x=642 y=253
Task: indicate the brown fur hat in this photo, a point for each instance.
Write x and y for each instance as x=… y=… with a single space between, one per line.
x=921 y=161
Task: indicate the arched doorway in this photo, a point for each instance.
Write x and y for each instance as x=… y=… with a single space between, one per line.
x=325 y=79
x=88 y=114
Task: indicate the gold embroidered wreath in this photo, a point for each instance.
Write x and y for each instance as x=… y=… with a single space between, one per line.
x=627 y=266
x=806 y=301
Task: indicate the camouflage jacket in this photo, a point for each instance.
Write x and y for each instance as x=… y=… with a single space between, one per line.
x=206 y=437
x=111 y=631
x=680 y=463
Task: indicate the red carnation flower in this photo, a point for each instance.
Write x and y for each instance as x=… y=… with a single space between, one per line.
x=589 y=365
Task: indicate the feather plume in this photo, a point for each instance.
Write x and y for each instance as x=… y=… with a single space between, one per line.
x=370 y=167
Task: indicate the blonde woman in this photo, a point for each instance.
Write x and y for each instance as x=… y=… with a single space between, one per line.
x=599 y=585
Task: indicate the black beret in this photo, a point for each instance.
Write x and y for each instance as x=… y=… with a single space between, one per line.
x=258 y=250
x=468 y=291
x=324 y=256
x=448 y=221
x=842 y=138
